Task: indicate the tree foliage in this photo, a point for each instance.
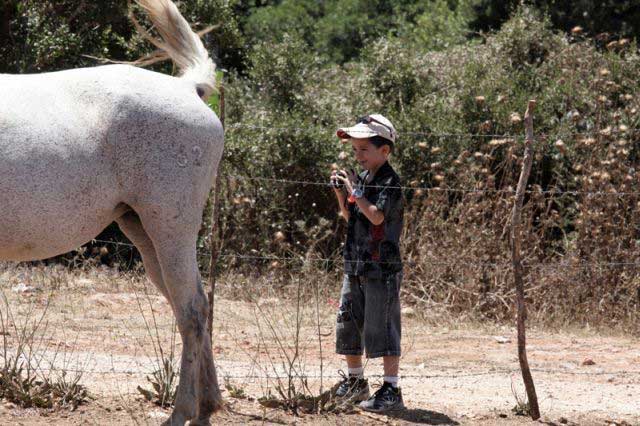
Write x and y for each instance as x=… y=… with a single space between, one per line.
x=38 y=36
x=618 y=17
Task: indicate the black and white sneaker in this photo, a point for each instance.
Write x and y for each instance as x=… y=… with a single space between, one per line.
x=352 y=389
x=387 y=398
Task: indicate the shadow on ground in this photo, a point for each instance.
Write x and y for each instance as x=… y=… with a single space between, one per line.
x=420 y=416
x=262 y=418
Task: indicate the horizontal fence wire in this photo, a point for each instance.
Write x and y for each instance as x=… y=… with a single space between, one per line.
x=240 y=126
x=114 y=371
x=558 y=192
x=554 y=191
x=438 y=263
x=409 y=262
x=515 y=136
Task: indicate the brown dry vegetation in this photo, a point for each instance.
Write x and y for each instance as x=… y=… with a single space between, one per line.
x=460 y=156
x=454 y=371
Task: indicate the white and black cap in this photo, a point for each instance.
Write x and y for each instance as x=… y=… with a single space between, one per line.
x=368 y=126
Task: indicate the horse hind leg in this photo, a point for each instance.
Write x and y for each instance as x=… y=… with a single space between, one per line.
x=131 y=226
x=175 y=244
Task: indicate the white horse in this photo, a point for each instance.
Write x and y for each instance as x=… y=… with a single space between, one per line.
x=82 y=148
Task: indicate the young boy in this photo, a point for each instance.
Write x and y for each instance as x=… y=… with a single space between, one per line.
x=369 y=313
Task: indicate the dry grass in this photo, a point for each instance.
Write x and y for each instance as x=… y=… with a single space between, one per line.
x=461 y=358
x=26 y=377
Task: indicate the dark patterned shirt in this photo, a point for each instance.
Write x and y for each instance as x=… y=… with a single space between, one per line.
x=374 y=250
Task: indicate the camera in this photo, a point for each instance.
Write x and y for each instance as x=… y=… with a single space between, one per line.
x=335 y=183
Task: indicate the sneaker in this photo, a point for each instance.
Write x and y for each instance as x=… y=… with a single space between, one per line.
x=352 y=389
x=387 y=398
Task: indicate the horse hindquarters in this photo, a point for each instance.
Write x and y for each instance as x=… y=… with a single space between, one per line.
x=167 y=174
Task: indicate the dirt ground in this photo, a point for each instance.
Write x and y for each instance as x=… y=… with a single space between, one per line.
x=104 y=326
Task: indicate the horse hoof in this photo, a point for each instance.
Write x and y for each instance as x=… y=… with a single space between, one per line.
x=175 y=420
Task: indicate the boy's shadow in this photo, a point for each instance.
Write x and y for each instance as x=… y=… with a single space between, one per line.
x=420 y=416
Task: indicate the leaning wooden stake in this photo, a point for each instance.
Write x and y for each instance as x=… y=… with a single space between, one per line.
x=517 y=261
x=215 y=244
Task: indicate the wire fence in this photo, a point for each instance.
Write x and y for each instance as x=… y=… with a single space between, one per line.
x=271 y=376
x=235 y=127
x=555 y=191
x=620 y=132
x=410 y=262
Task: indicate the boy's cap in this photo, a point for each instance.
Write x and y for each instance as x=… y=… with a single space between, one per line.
x=368 y=126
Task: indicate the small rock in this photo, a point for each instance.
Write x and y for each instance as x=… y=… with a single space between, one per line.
x=502 y=415
x=408 y=311
x=588 y=361
x=157 y=414
x=22 y=288
x=563 y=420
x=502 y=339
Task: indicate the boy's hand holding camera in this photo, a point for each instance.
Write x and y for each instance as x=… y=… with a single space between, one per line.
x=355 y=191
x=343 y=179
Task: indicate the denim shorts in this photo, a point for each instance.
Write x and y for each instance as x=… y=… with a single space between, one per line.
x=369 y=316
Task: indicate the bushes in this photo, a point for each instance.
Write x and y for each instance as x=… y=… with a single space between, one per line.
x=286 y=99
x=586 y=98
x=279 y=71
x=46 y=36
x=442 y=25
x=294 y=17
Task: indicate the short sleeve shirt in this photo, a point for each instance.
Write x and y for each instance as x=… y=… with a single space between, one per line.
x=374 y=250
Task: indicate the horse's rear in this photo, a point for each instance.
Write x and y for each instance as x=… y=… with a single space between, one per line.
x=76 y=146
x=80 y=149
x=49 y=147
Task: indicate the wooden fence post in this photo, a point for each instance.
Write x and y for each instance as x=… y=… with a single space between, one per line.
x=517 y=261
x=215 y=243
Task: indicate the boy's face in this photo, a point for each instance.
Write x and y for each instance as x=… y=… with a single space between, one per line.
x=368 y=155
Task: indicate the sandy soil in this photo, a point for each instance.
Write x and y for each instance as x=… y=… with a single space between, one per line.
x=103 y=326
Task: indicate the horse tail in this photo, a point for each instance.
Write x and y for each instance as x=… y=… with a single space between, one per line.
x=182 y=45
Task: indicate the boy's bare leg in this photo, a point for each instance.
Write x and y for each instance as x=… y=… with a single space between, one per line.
x=389 y=396
x=354 y=361
x=391 y=365
x=354 y=387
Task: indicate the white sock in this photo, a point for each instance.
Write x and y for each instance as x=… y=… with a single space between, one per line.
x=394 y=380
x=356 y=372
